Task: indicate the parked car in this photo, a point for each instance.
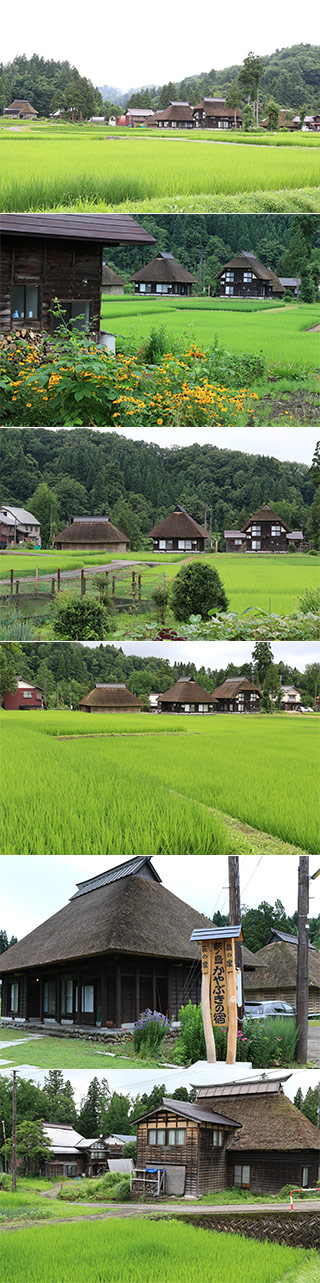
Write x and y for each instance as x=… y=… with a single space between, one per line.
x=260 y=1010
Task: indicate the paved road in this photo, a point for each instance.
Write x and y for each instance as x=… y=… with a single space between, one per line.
x=314 y=1044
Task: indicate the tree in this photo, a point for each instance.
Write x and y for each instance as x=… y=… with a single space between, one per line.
x=272 y=112
x=197 y=590
x=33 y=1146
x=248 y=120
x=10 y=656
x=5 y=943
x=234 y=98
x=271 y=687
x=116 y=1118
x=308 y=289
x=250 y=76
x=44 y=505
x=257 y=923
x=262 y=657
x=59 y=1094
x=313 y=526
x=314 y=472
x=308 y=1104
x=94 y=1108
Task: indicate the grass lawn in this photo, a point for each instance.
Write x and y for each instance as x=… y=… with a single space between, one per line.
x=144 y=1251
x=65 y=1053
x=172 y=785
x=282 y=333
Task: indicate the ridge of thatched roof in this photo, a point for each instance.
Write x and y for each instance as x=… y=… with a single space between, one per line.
x=91 y=530
x=141 y=864
x=164 y=269
x=266 y=514
x=109 y=695
x=178 y=525
x=232 y=686
x=176 y=111
x=279 y=962
x=109 y=277
x=186 y=690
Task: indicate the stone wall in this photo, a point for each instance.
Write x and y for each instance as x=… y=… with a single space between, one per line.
x=300 y=1228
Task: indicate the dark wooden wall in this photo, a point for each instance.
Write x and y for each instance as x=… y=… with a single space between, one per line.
x=58 y=266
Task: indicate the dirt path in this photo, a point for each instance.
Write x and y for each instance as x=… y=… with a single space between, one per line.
x=264 y=842
x=72 y=574
x=125 y=1211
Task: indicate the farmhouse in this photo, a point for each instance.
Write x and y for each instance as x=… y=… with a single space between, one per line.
x=237 y=695
x=290 y=699
x=177 y=116
x=164 y=275
x=213 y=113
x=45 y=257
x=92 y=534
x=186 y=696
x=18 y=526
x=245 y=1134
x=122 y=944
x=291 y=284
x=110 y=697
x=21 y=109
x=284 y=121
x=264 y=532
x=178 y=533
x=277 y=977
x=26 y=696
x=138 y=116
x=75 y=1155
x=112 y=283
x=245 y=277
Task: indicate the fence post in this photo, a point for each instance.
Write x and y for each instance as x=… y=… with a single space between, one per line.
x=11 y=582
x=36 y=583
x=139 y=587
x=17 y=592
x=83 y=583
x=58 y=580
x=52 y=590
x=113 y=587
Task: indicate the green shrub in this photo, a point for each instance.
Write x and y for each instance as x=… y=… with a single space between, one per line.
x=130 y=1149
x=197 y=590
x=80 y=618
x=190 y=1046
x=149 y=1032
x=155 y=346
x=310 y=601
x=265 y=1043
x=160 y=596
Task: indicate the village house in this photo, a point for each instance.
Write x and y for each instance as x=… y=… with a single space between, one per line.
x=276 y=978
x=112 y=283
x=284 y=121
x=122 y=944
x=18 y=526
x=291 y=284
x=21 y=109
x=27 y=696
x=177 y=116
x=237 y=695
x=213 y=113
x=186 y=696
x=73 y=1155
x=178 y=533
x=92 y=534
x=246 y=1134
x=110 y=697
x=245 y=277
x=164 y=275
x=45 y=257
x=290 y=700
x=138 y=116
x=264 y=532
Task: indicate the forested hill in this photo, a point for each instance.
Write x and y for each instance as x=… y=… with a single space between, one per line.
x=138 y=483
x=48 y=85
x=57 y=667
x=291 y=76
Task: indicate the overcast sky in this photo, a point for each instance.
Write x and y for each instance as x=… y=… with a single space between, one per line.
x=35 y=887
x=131 y=45
x=215 y=654
x=294 y=444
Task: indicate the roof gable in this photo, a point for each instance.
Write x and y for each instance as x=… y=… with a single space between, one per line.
x=164 y=269
x=266 y=513
x=178 y=525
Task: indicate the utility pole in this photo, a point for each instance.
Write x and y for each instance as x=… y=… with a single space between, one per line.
x=235 y=919
x=5 y=1143
x=14 y=1131
x=302 y=1000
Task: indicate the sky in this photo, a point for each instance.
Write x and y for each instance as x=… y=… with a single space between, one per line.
x=35 y=887
x=137 y=46
x=214 y=654
x=292 y=444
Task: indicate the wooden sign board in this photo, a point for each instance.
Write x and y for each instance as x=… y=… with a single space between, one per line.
x=219 y=991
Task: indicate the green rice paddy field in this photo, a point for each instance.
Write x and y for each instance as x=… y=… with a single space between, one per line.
x=282 y=333
x=135 y=784
x=48 y=168
x=147 y=1251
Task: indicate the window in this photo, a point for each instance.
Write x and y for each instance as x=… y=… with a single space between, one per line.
x=14 y=1002
x=25 y=303
x=256 y=545
x=76 y=313
x=275 y=530
x=217 y=1137
x=27 y=694
x=70 y=1169
x=229 y=276
x=142 y=288
x=238 y=542
x=305 y=1177
x=152 y=1136
x=87 y=998
x=177 y=1136
x=162 y=544
x=49 y=998
x=255 y=530
x=229 y=289
x=161 y=1136
x=67 y=997
x=247 y=276
x=241 y=1175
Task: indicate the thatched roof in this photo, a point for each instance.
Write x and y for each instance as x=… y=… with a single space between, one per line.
x=176 y=111
x=164 y=269
x=107 y=228
x=91 y=530
x=22 y=104
x=132 y=914
x=110 y=695
x=217 y=107
x=269 y=1122
x=247 y=260
x=186 y=691
x=109 y=277
x=266 y=514
x=179 y=525
x=232 y=687
x=279 y=962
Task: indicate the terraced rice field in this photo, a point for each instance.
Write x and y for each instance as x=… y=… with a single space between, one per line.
x=47 y=168
x=135 y=784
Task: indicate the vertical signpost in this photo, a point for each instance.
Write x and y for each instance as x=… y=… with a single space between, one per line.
x=219 y=986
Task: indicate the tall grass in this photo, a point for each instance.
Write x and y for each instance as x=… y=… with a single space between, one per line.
x=146 y=1252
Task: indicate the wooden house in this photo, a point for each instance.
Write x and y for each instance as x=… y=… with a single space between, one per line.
x=213 y=113
x=178 y=533
x=264 y=532
x=290 y=700
x=138 y=116
x=164 y=275
x=246 y=1134
x=276 y=977
x=284 y=121
x=19 y=526
x=110 y=697
x=237 y=695
x=112 y=282
x=245 y=277
x=177 y=116
x=21 y=109
x=291 y=284
x=186 y=696
x=27 y=696
x=122 y=944
x=45 y=257
x=92 y=534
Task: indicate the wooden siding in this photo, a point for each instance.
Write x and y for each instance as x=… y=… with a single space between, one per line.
x=212 y=1169
x=170 y=1155
x=270 y=1171
x=58 y=267
x=123 y=987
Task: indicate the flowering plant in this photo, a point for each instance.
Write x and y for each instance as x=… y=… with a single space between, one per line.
x=149 y=1031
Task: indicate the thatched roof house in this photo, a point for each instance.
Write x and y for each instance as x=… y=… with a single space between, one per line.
x=122 y=944
x=237 y=695
x=178 y=532
x=245 y=1134
x=213 y=113
x=92 y=534
x=186 y=696
x=264 y=532
x=243 y=276
x=177 y=116
x=21 y=109
x=110 y=697
x=164 y=275
x=278 y=974
x=112 y=282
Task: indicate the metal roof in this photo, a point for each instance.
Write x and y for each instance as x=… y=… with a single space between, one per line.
x=125 y=870
x=275 y=934
x=21 y=514
x=235 y=534
x=94 y=227
x=246 y=1087
x=187 y=1110
x=217 y=933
